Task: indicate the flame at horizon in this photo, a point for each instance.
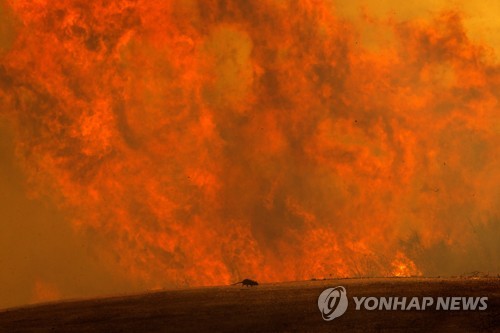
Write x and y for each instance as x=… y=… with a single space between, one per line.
x=201 y=142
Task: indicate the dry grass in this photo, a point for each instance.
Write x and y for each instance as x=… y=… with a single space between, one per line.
x=280 y=307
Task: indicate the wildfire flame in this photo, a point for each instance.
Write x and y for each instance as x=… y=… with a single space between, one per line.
x=199 y=142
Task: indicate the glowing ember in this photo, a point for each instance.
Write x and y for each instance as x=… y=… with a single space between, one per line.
x=404 y=267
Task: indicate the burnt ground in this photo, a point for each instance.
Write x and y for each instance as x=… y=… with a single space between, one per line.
x=280 y=307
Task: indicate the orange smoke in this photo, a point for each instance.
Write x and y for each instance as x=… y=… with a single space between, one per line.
x=44 y=292
x=199 y=142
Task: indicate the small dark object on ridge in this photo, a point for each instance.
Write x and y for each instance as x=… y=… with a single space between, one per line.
x=247 y=283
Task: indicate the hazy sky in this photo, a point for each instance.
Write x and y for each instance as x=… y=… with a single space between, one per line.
x=146 y=152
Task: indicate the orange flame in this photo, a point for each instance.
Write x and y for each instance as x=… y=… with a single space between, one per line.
x=198 y=142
